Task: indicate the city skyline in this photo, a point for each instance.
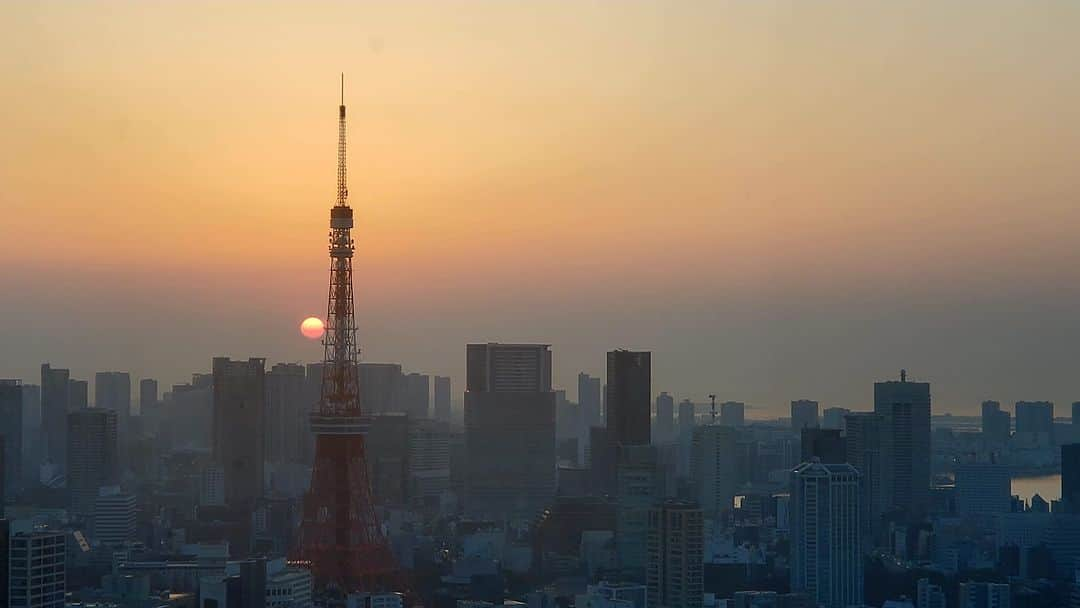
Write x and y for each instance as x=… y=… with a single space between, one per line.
x=784 y=185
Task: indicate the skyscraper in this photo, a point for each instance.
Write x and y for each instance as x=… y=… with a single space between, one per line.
x=676 y=571
x=238 y=431
x=827 y=445
x=428 y=462
x=11 y=436
x=629 y=391
x=380 y=387
x=442 y=398
x=665 y=419
x=91 y=457
x=415 y=397
x=995 y=423
x=686 y=435
x=589 y=391
x=712 y=470
x=982 y=488
x=826 y=557
x=1035 y=419
x=862 y=444
x=833 y=417
x=78 y=395
x=112 y=391
x=804 y=414
x=148 y=395
x=54 y=409
x=636 y=492
x=286 y=415
x=905 y=443
x=1076 y=412
x=509 y=429
x=733 y=413
x=1070 y=477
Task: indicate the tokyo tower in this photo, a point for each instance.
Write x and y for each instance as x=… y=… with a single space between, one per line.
x=340 y=539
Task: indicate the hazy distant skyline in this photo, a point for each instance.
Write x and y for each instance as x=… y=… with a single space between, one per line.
x=780 y=201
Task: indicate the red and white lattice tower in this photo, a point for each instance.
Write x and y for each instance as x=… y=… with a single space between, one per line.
x=340 y=539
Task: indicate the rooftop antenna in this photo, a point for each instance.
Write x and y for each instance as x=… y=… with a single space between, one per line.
x=712 y=407
x=343 y=88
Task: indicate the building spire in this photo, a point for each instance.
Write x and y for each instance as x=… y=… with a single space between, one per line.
x=342 y=176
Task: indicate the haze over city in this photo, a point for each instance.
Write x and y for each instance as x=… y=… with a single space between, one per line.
x=779 y=201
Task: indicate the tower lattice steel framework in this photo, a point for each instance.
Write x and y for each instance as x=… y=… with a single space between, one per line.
x=340 y=539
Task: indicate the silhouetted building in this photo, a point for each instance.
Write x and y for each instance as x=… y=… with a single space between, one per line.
x=589 y=397
x=415 y=395
x=636 y=492
x=148 y=395
x=1070 y=477
x=996 y=423
x=629 y=390
x=1035 y=418
x=428 y=462
x=664 y=431
x=1076 y=412
x=11 y=437
x=686 y=435
x=804 y=414
x=380 y=387
x=733 y=413
x=112 y=391
x=78 y=395
x=983 y=488
x=711 y=471
x=833 y=417
x=287 y=411
x=827 y=445
x=54 y=409
x=92 y=457
x=863 y=447
x=905 y=443
x=238 y=430
x=442 y=398
x=509 y=429
x=676 y=573
x=387 y=447
x=826 y=554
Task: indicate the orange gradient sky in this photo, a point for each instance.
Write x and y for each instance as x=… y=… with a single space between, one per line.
x=781 y=200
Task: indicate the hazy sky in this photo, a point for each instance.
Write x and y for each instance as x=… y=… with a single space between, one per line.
x=780 y=200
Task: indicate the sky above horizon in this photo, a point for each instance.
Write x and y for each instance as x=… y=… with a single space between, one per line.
x=780 y=200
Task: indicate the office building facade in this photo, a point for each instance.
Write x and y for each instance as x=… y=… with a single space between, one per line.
x=826 y=554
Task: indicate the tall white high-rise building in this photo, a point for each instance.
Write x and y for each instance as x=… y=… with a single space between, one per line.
x=826 y=557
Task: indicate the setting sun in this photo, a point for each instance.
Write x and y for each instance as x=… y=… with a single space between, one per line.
x=312 y=328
